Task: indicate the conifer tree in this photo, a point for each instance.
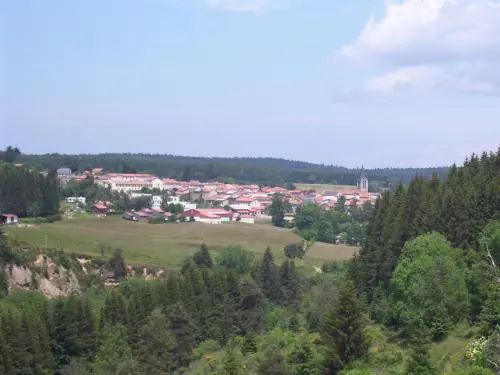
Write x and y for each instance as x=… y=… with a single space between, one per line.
x=273 y=363
x=115 y=308
x=183 y=331
x=343 y=331
x=202 y=257
x=113 y=350
x=269 y=277
x=16 y=356
x=231 y=364
x=290 y=283
x=420 y=361
x=249 y=344
x=156 y=347
x=251 y=306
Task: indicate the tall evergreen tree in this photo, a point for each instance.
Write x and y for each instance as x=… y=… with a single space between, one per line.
x=343 y=331
x=156 y=348
x=269 y=277
x=251 y=306
x=277 y=210
x=290 y=283
x=202 y=257
x=420 y=360
x=183 y=331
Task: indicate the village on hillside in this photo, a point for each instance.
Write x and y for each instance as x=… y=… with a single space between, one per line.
x=210 y=202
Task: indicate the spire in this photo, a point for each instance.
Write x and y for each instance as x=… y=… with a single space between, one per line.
x=363 y=174
x=363 y=181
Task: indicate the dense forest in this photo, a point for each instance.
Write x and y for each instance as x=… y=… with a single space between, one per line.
x=27 y=193
x=268 y=171
x=421 y=297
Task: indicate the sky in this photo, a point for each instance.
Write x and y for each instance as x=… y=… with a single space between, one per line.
x=359 y=82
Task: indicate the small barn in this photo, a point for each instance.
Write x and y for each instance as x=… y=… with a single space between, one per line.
x=8 y=219
x=99 y=209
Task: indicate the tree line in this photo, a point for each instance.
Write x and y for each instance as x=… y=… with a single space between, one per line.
x=265 y=171
x=27 y=193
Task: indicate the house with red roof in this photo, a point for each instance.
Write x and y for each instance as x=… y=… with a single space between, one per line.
x=99 y=209
x=208 y=215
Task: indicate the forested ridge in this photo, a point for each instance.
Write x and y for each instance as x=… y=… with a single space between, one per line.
x=427 y=273
x=270 y=171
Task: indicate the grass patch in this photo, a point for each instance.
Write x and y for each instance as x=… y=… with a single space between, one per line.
x=320 y=188
x=168 y=244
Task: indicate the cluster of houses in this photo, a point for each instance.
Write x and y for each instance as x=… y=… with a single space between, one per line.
x=214 y=202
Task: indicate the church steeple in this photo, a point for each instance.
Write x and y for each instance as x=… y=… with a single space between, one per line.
x=363 y=181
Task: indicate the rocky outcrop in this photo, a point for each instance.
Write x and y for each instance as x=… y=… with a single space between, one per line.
x=45 y=276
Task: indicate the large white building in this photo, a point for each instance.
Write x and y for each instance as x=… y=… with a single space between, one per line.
x=129 y=182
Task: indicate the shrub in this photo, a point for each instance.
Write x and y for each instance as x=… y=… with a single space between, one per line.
x=205 y=347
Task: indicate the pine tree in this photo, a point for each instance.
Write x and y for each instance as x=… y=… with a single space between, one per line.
x=420 y=361
x=290 y=283
x=202 y=257
x=273 y=363
x=249 y=344
x=269 y=277
x=343 y=331
x=231 y=364
x=251 y=306
x=277 y=210
x=17 y=357
x=184 y=333
x=115 y=308
x=156 y=346
x=113 y=350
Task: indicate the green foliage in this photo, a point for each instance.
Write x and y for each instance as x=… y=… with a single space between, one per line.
x=269 y=279
x=294 y=250
x=113 y=351
x=117 y=264
x=27 y=193
x=343 y=331
x=312 y=222
x=420 y=361
x=492 y=351
x=205 y=347
x=202 y=257
x=156 y=347
x=273 y=363
x=236 y=258
x=277 y=210
x=231 y=363
x=429 y=286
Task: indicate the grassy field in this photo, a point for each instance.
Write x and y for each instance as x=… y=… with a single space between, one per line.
x=167 y=244
x=322 y=187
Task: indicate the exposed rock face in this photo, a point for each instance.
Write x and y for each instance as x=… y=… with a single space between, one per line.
x=47 y=277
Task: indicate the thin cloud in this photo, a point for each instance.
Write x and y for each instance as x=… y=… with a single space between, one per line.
x=248 y=6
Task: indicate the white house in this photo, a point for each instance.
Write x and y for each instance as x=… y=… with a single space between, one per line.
x=156 y=202
x=81 y=200
x=8 y=219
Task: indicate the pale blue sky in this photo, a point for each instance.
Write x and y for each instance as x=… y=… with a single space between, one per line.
x=305 y=80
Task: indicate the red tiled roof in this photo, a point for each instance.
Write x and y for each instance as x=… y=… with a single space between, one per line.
x=9 y=215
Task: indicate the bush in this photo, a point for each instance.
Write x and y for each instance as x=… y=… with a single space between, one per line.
x=294 y=250
x=205 y=347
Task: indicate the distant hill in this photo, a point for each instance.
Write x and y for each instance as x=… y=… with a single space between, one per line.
x=271 y=171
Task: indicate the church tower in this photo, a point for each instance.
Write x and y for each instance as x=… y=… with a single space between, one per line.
x=363 y=182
